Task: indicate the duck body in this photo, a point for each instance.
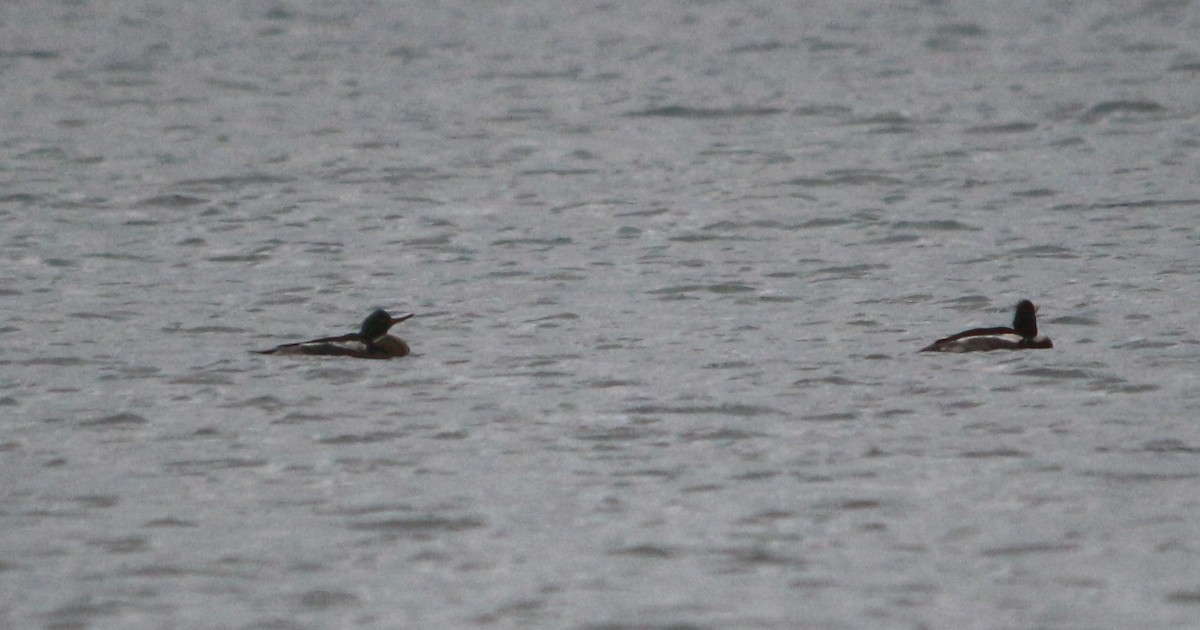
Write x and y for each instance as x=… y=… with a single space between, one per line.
x=370 y=342
x=986 y=343
x=1023 y=335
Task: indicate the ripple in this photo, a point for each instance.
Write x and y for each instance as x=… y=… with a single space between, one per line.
x=116 y=420
x=171 y=201
x=936 y=225
x=721 y=435
x=1122 y=110
x=1170 y=445
x=364 y=438
x=720 y=289
x=1054 y=373
x=420 y=525
x=57 y=361
x=543 y=243
x=1183 y=597
x=830 y=417
x=680 y=111
x=1029 y=549
x=232 y=182
x=722 y=410
x=202 y=466
x=618 y=434
x=323 y=599
x=848 y=272
x=846 y=177
x=658 y=552
x=1073 y=320
x=1013 y=127
x=993 y=453
x=1115 y=385
x=1045 y=251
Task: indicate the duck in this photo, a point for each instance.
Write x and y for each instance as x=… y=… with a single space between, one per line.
x=1023 y=335
x=370 y=342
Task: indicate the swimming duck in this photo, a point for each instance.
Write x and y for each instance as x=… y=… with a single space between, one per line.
x=1022 y=336
x=370 y=342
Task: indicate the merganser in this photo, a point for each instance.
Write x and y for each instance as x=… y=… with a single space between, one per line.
x=370 y=342
x=1022 y=336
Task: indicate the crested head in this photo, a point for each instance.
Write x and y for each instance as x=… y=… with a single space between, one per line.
x=1025 y=320
x=377 y=324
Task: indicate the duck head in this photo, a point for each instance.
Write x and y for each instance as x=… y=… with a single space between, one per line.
x=377 y=324
x=1025 y=320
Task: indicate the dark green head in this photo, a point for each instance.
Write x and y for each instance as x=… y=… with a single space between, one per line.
x=377 y=324
x=1025 y=321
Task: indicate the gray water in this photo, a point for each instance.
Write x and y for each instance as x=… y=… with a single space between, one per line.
x=671 y=262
